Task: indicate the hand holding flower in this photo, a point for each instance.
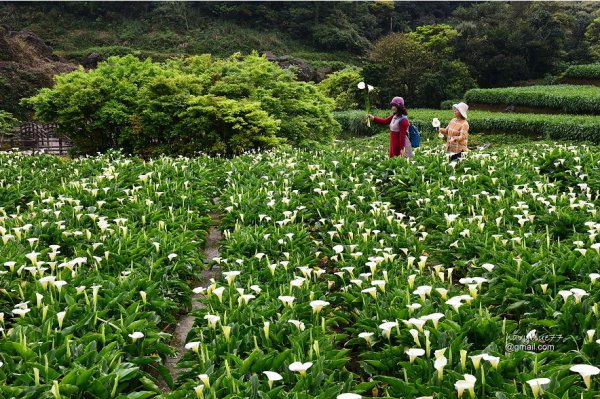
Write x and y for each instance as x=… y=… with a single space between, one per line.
x=367 y=88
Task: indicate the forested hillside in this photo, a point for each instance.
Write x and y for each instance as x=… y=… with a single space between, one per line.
x=444 y=48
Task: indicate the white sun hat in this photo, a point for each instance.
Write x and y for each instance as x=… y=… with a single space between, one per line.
x=462 y=108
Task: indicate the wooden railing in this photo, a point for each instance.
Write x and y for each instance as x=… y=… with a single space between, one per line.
x=39 y=138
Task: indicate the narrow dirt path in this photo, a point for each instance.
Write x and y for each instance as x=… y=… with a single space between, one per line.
x=186 y=321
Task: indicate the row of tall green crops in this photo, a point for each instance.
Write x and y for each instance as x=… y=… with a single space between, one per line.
x=586 y=71
x=568 y=99
x=555 y=127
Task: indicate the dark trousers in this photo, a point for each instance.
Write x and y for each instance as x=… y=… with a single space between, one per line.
x=456 y=156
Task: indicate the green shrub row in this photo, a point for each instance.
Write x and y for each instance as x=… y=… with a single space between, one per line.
x=555 y=127
x=587 y=71
x=568 y=99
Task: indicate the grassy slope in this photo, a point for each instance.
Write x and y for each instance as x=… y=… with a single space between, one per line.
x=74 y=37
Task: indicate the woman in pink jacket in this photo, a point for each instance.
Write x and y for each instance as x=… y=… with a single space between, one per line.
x=398 y=121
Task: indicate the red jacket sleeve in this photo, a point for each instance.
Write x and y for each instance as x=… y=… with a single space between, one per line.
x=383 y=121
x=403 y=132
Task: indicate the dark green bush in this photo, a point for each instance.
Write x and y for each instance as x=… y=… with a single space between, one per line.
x=7 y=124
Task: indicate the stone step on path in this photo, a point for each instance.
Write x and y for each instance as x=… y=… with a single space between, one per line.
x=186 y=321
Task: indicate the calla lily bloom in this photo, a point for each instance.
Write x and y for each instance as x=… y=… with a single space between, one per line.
x=193 y=346
x=298 y=324
x=272 y=376
x=413 y=353
x=387 y=328
x=287 y=300
x=468 y=383
x=586 y=371
x=212 y=320
x=60 y=316
x=318 y=305
x=367 y=336
x=537 y=384
x=136 y=335
x=299 y=367
x=439 y=365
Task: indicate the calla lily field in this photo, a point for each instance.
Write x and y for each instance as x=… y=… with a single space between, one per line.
x=345 y=274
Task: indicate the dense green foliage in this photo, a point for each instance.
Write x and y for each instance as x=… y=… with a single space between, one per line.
x=569 y=99
x=216 y=106
x=390 y=278
x=508 y=42
x=555 y=127
x=492 y=43
x=420 y=66
x=7 y=123
x=342 y=87
x=124 y=239
x=386 y=243
x=585 y=71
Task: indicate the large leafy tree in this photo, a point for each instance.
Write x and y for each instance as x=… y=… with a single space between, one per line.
x=219 y=106
x=419 y=66
x=94 y=108
x=399 y=60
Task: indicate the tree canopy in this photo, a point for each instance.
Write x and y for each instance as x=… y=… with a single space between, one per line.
x=197 y=104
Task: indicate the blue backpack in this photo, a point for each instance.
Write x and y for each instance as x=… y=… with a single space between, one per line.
x=414 y=136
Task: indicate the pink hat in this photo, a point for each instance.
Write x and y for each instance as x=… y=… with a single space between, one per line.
x=397 y=101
